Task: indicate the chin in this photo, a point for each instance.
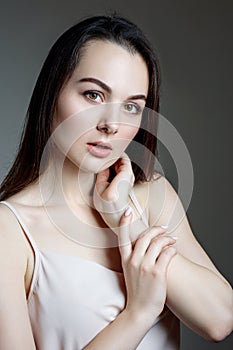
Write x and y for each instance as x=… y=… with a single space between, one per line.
x=95 y=166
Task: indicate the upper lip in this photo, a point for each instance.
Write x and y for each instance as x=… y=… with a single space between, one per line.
x=101 y=143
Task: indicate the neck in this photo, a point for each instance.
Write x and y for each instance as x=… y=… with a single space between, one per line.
x=67 y=196
x=77 y=184
x=65 y=182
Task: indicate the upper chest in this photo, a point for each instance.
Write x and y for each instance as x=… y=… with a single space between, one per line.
x=71 y=238
x=84 y=235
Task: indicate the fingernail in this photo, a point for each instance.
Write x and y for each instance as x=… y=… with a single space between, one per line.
x=164 y=226
x=128 y=211
x=175 y=238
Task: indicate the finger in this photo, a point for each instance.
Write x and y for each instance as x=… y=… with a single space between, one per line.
x=164 y=259
x=123 y=163
x=125 y=244
x=155 y=249
x=144 y=240
x=102 y=180
x=123 y=168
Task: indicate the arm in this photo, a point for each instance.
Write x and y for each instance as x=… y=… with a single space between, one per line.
x=124 y=333
x=197 y=293
x=145 y=267
x=204 y=303
x=15 y=326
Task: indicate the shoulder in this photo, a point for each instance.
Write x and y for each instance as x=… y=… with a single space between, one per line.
x=165 y=205
x=161 y=186
x=13 y=247
x=161 y=183
x=162 y=200
x=13 y=264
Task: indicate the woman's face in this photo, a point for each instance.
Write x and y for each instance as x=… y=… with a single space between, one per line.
x=99 y=110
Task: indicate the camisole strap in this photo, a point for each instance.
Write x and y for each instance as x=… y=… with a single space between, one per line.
x=139 y=208
x=31 y=241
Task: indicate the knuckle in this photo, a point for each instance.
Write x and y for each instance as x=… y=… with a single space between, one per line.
x=155 y=273
x=133 y=264
x=144 y=268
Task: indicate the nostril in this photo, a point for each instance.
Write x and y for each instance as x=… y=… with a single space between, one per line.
x=102 y=128
x=108 y=129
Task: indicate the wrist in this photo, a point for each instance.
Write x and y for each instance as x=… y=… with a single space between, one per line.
x=112 y=219
x=140 y=318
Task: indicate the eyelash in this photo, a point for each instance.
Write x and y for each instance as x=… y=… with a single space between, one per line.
x=89 y=92
x=136 y=106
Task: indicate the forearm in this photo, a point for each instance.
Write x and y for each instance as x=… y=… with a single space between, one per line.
x=200 y=298
x=124 y=333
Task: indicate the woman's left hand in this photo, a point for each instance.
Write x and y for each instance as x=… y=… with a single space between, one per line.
x=111 y=198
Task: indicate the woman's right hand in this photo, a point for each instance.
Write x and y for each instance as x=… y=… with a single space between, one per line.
x=145 y=264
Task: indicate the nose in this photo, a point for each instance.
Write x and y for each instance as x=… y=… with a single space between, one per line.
x=107 y=128
x=109 y=120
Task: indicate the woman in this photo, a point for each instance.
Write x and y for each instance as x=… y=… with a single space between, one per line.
x=83 y=265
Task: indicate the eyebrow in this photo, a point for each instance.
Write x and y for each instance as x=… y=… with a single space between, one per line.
x=97 y=82
x=137 y=97
x=108 y=89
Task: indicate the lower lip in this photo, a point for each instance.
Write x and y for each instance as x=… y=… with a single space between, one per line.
x=99 y=151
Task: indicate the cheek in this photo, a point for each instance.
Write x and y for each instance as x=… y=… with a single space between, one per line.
x=69 y=104
x=125 y=136
x=130 y=132
x=69 y=134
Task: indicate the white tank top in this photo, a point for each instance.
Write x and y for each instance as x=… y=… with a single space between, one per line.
x=72 y=299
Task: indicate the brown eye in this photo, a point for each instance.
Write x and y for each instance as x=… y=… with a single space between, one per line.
x=132 y=108
x=93 y=96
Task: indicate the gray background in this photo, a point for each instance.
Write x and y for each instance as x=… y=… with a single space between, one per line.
x=194 y=41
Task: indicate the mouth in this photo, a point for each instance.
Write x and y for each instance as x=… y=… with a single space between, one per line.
x=100 y=144
x=99 y=149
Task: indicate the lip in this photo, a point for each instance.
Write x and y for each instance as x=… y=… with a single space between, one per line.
x=99 y=149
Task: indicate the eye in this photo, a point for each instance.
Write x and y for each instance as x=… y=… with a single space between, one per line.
x=93 y=96
x=133 y=108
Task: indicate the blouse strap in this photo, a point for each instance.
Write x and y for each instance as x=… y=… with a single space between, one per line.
x=31 y=241
x=139 y=208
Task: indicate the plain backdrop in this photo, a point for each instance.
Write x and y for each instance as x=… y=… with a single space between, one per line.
x=194 y=41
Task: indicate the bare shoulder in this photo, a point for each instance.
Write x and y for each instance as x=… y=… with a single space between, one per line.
x=13 y=247
x=160 y=184
x=159 y=197
x=165 y=206
x=13 y=303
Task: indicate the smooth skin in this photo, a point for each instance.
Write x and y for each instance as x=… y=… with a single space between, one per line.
x=175 y=272
x=196 y=292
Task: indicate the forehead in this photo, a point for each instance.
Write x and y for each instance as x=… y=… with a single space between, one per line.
x=114 y=65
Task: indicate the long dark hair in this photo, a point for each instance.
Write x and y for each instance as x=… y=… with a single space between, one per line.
x=57 y=69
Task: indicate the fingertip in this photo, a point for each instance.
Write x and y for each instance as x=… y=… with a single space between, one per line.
x=128 y=211
x=126 y=217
